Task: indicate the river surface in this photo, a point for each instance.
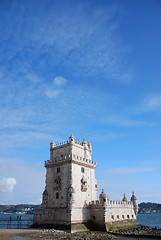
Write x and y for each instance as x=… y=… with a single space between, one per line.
x=14 y=220
x=25 y=220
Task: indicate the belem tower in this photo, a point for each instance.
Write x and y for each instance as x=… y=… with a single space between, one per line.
x=70 y=196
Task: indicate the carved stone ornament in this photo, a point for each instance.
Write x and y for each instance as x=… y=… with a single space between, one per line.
x=83 y=184
x=57 y=182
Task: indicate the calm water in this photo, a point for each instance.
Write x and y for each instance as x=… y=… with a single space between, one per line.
x=15 y=220
x=152 y=220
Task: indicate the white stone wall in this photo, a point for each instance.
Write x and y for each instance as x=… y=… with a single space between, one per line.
x=58 y=182
x=80 y=215
x=80 y=197
x=61 y=150
x=82 y=150
x=119 y=212
x=114 y=211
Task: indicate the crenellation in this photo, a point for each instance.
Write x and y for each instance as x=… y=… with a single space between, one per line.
x=67 y=157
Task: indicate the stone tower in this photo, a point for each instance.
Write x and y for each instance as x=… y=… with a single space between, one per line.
x=70 y=184
x=70 y=196
x=135 y=203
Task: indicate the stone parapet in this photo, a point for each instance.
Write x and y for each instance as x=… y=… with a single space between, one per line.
x=119 y=203
x=74 y=158
x=67 y=143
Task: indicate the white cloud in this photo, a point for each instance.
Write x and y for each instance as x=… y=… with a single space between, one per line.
x=58 y=84
x=30 y=180
x=130 y=170
x=151 y=103
x=53 y=93
x=7 y=185
x=59 y=81
x=123 y=121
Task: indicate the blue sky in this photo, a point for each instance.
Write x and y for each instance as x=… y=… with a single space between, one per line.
x=91 y=68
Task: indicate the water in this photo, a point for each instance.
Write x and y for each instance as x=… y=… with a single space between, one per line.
x=152 y=220
x=14 y=220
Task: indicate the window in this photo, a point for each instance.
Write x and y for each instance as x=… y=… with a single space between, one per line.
x=95 y=185
x=128 y=216
x=112 y=216
x=82 y=169
x=132 y=216
x=58 y=170
x=117 y=216
x=123 y=216
x=57 y=195
x=58 y=181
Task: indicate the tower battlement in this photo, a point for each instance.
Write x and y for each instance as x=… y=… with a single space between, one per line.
x=81 y=152
x=70 y=158
x=62 y=144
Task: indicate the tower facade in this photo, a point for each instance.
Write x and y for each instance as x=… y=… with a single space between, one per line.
x=70 y=184
x=70 y=195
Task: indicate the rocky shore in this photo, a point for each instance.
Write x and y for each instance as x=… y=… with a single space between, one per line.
x=139 y=231
x=62 y=235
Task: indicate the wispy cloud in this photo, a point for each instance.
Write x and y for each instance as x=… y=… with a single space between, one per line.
x=64 y=37
x=147 y=104
x=130 y=170
x=57 y=88
x=59 y=81
x=7 y=185
x=53 y=93
x=124 y=121
x=152 y=103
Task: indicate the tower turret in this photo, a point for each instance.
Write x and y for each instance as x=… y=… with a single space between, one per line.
x=85 y=148
x=124 y=198
x=103 y=198
x=71 y=139
x=90 y=148
x=52 y=145
x=135 y=203
x=72 y=142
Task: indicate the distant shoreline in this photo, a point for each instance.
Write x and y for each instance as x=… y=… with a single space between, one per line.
x=145 y=208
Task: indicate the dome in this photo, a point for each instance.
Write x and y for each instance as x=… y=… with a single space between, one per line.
x=103 y=195
x=124 y=199
x=52 y=144
x=133 y=198
x=71 y=138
